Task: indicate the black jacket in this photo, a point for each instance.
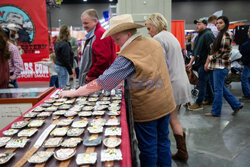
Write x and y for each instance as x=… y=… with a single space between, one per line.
x=64 y=55
x=245 y=51
x=202 y=46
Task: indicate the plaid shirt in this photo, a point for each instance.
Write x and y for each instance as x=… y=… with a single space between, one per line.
x=15 y=62
x=221 y=59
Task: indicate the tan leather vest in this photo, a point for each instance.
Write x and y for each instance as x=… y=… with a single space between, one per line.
x=150 y=88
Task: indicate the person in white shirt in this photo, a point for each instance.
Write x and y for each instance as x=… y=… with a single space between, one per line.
x=212 y=24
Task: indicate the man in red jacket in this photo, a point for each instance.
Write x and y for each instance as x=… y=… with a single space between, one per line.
x=98 y=54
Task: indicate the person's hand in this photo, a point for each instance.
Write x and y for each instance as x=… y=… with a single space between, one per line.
x=12 y=78
x=66 y=93
x=206 y=64
x=71 y=76
x=74 y=73
x=189 y=65
x=89 y=79
x=206 y=67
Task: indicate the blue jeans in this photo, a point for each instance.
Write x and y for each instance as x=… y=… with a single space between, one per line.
x=219 y=76
x=77 y=68
x=245 y=81
x=63 y=75
x=15 y=83
x=203 y=78
x=54 y=81
x=153 y=142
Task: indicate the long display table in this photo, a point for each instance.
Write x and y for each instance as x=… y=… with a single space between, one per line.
x=22 y=154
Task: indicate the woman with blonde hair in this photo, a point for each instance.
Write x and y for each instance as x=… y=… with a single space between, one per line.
x=157 y=28
x=64 y=56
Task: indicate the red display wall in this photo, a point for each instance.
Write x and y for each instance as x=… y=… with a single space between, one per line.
x=31 y=18
x=177 y=29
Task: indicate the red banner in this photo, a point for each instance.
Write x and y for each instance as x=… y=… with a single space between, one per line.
x=30 y=20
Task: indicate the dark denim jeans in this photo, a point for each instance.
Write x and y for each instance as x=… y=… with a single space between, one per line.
x=153 y=142
x=203 y=78
x=245 y=81
x=220 y=90
x=54 y=81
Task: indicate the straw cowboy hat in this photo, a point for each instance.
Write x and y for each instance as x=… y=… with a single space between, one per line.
x=120 y=23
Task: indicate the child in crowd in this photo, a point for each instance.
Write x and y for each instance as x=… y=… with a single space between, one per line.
x=52 y=72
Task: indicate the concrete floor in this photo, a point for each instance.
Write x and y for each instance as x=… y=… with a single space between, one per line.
x=216 y=141
x=211 y=141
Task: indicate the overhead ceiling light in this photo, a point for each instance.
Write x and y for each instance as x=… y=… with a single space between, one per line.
x=110 y=0
x=85 y=0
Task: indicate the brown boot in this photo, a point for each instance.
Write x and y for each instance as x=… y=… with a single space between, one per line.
x=182 y=153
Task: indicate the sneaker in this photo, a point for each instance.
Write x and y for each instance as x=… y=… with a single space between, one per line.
x=195 y=107
x=237 y=110
x=206 y=102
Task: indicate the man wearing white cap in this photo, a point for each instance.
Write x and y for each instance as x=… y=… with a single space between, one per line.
x=141 y=61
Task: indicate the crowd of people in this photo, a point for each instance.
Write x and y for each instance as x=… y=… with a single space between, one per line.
x=154 y=68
